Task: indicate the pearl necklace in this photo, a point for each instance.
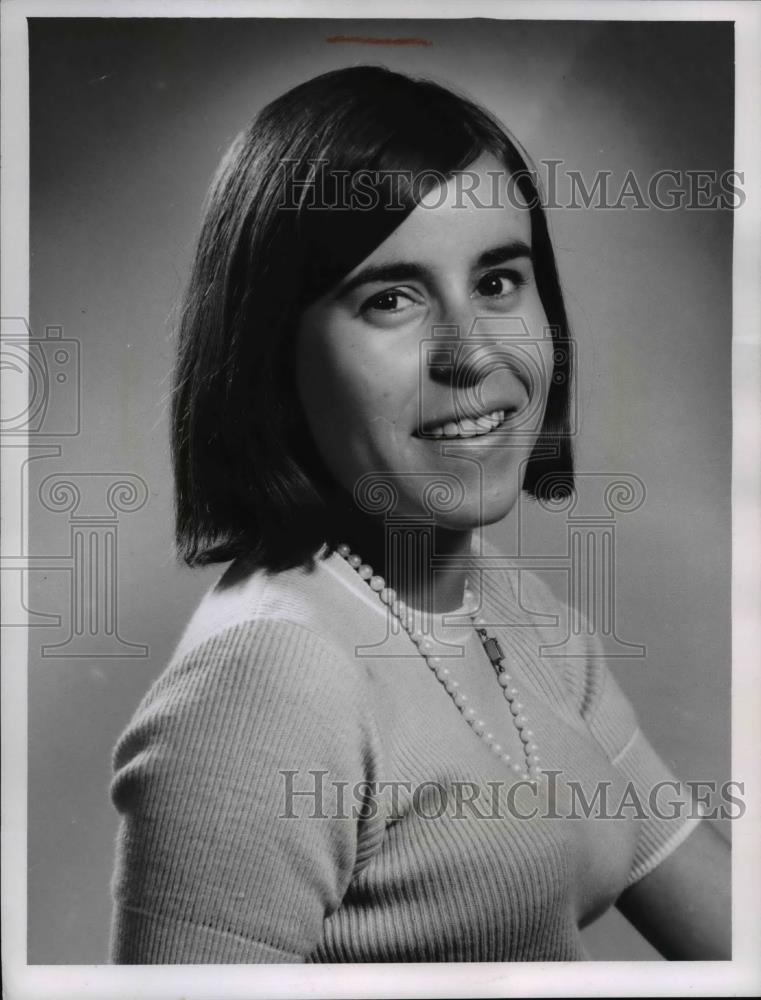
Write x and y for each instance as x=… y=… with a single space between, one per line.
x=529 y=770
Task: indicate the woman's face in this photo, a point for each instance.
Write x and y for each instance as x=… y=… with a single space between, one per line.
x=430 y=362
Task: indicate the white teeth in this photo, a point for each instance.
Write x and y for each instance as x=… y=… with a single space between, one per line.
x=468 y=427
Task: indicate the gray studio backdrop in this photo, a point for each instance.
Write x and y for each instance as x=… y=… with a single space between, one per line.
x=128 y=120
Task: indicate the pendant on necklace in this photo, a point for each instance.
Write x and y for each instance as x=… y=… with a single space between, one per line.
x=493 y=649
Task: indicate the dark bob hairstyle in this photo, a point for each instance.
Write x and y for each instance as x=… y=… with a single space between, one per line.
x=248 y=481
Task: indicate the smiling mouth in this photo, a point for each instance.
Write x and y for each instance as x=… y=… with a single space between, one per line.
x=467 y=427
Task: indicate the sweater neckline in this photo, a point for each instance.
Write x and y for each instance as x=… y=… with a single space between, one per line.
x=440 y=620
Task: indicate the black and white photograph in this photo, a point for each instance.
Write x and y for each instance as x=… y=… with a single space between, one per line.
x=381 y=535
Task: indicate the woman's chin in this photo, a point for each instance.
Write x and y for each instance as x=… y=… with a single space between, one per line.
x=470 y=517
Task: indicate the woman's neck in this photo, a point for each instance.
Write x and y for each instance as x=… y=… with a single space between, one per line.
x=413 y=559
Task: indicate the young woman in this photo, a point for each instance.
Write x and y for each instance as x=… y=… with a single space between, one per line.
x=359 y=752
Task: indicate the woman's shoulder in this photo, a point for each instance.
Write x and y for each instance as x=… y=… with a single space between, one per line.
x=247 y=598
x=257 y=644
x=253 y=718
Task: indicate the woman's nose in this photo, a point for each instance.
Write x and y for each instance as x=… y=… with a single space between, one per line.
x=465 y=354
x=450 y=347
x=459 y=355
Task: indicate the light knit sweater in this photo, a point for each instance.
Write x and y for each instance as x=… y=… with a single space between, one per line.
x=297 y=681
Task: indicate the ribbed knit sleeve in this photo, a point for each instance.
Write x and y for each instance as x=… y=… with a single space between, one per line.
x=656 y=798
x=216 y=860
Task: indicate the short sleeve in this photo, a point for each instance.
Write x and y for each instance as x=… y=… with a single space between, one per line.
x=232 y=847
x=662 y=804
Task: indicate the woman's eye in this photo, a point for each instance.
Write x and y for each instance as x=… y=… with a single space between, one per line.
x=388 y=302
x=498 y=284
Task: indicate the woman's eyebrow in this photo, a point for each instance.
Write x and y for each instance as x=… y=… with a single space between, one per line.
x=504 y=252
x=410 y=271
x=393 y=271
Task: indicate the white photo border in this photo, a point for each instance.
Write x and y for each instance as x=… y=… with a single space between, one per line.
x=741 y=976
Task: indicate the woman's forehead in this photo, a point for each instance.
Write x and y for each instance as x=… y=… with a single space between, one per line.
x=485 y=183
x=466 y=214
